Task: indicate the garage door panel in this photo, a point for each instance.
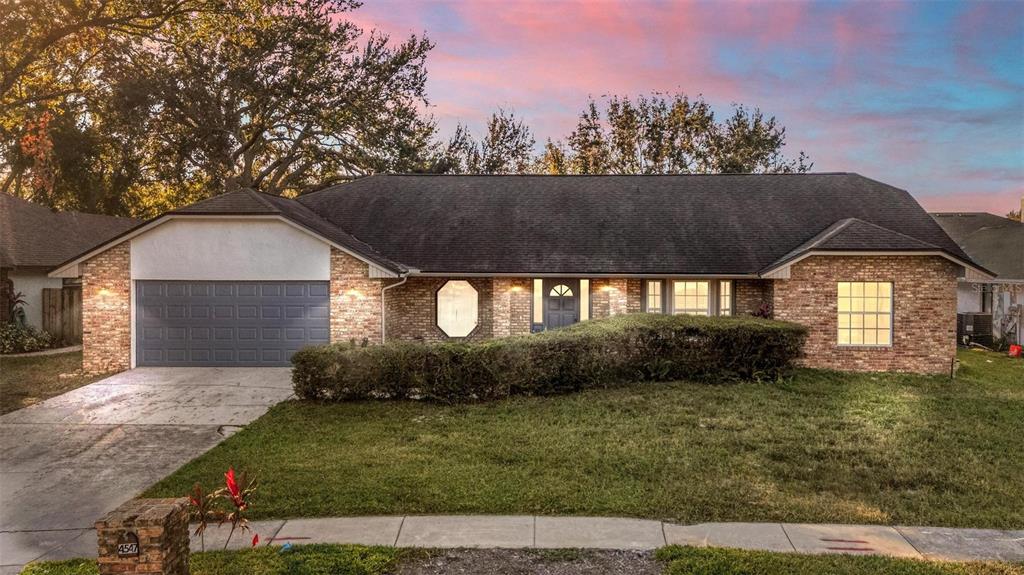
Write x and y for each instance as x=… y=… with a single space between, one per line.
x=228 y=323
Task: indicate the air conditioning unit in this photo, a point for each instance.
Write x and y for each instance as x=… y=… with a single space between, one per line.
x=974 y=328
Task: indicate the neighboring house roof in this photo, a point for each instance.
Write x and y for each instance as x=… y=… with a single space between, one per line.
x=33 y=236
x=688 y=224
x=692 y=224
x=993 y=241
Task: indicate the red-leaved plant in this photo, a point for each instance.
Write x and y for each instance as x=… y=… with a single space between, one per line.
x=225 y=505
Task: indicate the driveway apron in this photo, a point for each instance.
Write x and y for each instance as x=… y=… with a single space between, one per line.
x=70 y=459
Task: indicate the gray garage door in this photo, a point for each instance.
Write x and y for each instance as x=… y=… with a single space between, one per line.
x=181 y=323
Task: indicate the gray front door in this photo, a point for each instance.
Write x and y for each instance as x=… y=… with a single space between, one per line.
x=223 y=323
x=561 y=302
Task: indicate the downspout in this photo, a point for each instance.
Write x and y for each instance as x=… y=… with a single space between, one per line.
x=383 y=308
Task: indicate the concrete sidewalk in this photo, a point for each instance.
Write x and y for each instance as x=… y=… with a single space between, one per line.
x=528 y=531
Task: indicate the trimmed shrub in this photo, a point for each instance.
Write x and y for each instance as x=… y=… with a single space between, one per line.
x=640 y=347
x=15 y=338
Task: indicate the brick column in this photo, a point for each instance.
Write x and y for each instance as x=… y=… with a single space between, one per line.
x=106 y=310
x=355 y=300
x=501 y=300
x=510 y=301
x=610 y=296
x=144 y=537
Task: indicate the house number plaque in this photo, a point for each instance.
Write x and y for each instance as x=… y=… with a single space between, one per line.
x=128 y=545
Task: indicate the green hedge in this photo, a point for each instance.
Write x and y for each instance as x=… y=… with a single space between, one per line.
x=641 y=347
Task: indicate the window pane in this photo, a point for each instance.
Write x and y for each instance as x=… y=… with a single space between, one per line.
x=690 y=297
x=725 y=297
x=457 y=308
x=584 y=300
x=865 y=312
x=538 y=301
x=654 y=296
x=561 y=290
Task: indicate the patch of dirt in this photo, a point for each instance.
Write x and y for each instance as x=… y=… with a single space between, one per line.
x=531 y=562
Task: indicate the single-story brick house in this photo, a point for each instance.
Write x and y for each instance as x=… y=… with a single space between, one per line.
x=247 y=278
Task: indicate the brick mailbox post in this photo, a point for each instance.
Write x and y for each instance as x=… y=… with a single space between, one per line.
x=145 y=537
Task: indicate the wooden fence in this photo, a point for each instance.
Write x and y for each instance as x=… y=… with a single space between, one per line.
x=62 y=313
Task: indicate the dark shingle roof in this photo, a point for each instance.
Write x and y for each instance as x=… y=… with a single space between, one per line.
x=853 y=235
x=693 y=224
x=31 y=235
x=993 y=241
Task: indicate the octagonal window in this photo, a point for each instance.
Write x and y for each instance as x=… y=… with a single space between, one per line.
x=457 y=303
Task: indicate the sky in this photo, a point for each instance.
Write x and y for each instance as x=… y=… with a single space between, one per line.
x=926 y=96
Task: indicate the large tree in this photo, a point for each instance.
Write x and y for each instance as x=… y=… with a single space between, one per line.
x=506 y=148
x=279 y=95
x=669 y=135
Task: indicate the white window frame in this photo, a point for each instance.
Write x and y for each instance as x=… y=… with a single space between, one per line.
x=863 y=314
x=474 y=313
x=646 y=294
x=730 y=297
x=709 y=296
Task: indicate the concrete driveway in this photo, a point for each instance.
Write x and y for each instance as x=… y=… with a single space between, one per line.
x=70 y=459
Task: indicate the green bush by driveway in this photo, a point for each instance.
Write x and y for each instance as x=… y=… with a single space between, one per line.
x=820 y=447
x=639 y=347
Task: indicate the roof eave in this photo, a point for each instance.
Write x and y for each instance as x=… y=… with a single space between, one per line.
x=980 y=272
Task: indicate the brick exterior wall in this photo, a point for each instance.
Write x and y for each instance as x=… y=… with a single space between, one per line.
x=504 y=309
x=106 y=310
x=412 y=310
x=512 y=306
x=924 y=311
x=612 y=296
x=634 y=295
x=355 y=300
x=748 y=295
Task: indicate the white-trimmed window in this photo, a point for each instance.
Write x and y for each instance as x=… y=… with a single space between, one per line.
x=690 y=297
x=654 y=296
x=457 y=308
x=725 y=297
x=865 y=313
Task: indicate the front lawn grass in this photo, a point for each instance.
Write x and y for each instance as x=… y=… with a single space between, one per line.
x=821 y=447
x=28 y=380
x=299 y=560
x=693 y=561
x=358 y=560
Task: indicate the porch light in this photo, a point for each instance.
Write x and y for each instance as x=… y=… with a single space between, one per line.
x=355 y=294
x=104 y=292
x=516 y=288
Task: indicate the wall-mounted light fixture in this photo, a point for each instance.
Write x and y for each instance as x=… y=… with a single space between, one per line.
x=355 y=294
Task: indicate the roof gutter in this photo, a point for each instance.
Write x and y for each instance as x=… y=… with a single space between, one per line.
x=383 y=307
